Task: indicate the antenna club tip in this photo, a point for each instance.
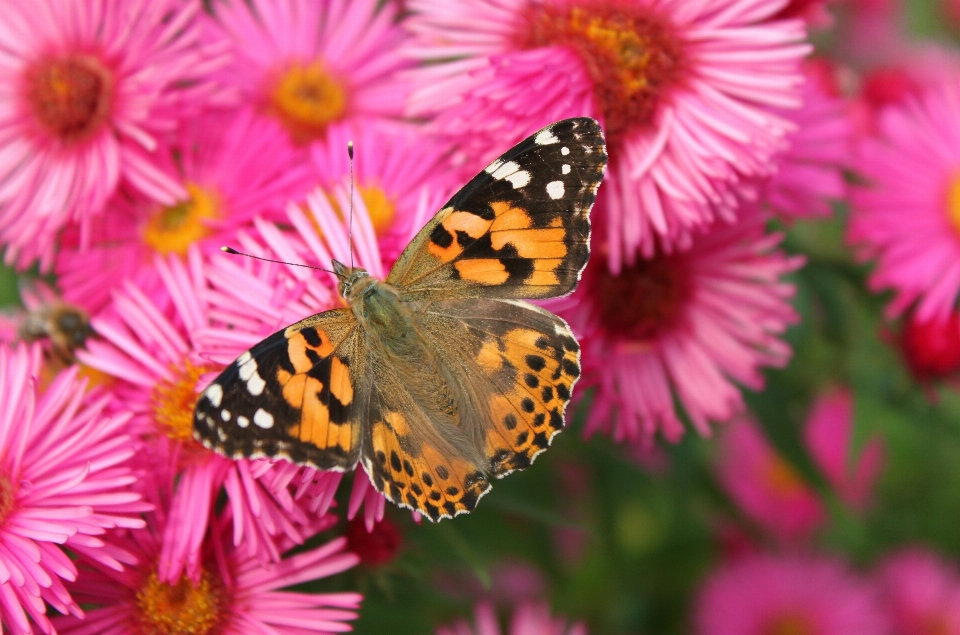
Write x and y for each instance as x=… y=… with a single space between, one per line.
x=229 y=250
x=350 y=148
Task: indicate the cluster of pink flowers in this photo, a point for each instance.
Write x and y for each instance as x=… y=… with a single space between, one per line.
x=138 y=137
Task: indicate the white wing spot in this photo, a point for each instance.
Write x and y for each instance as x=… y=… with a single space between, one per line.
x=545 y=137
x=255 y=385
x=564 y=150
x=215 y=394
x=225 y=414
x=248 y=369
x=221 y=434
x=243 y=359
x=493 y=167
x=242 y=421
x=555 y=189
x=565 y=168
x=263 y=418
x=519 y=178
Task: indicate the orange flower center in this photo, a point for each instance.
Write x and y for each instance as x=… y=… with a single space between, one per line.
x=183 y=608
x=644 y=300
x=631 y=54
x=8 y=497
x=307 y=98
x=953 y=203
x=173 y=401
x=789 y=624
x=69 y=96
x=173 y=229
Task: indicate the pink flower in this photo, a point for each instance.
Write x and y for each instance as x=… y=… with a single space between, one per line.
x=921 y=593
x=907 y=216
x=310 y=64
x=232 y=167
x=809 y=173
x=687 y=122
x=768 y=595
x=65 y=479
x=147 y=342
x=687 y=324
x=91 y=88
x=765 y=486
x=232 y=593
x=828 y=434
x=528 y=619
x=399 y=174
x=813 y=11
x=931 y=349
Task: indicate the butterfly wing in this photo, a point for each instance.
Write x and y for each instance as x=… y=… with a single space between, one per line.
x=518 y=364
x=519 y=229
x=291 y=396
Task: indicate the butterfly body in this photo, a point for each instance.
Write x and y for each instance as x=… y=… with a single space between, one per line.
x=440 y=376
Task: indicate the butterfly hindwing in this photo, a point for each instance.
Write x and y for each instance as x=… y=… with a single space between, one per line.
x=521 y=363
x=519 y=229
x=292 y=395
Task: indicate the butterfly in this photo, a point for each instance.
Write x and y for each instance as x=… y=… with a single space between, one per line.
x=440 y=376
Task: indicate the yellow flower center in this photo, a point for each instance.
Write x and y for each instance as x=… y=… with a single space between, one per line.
x=69 y=96
x=630 y=53
x=783 y=478
x=182 y=608
x=173 y=401
x=173 y=229
x=307 y=98
x=789 y=624
x=953 y=203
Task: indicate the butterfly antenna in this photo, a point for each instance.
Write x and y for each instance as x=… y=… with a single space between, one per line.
x=231 y=250
x=350 y=226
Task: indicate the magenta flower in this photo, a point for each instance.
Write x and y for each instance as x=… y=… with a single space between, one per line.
x=809 y=173
x=907 y=217
x=90 y=89
x=65 y=479
x=829 y=437
x=232 y=593
x=147 y=344
x=692 y=325
x=232 y=167
x=764 y=485
x=528 y=619
x=687 y=121
x=921 y=593
x=768 y=595
x=400 y=178
x=310 y=64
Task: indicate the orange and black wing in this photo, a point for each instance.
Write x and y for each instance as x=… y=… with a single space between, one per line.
x=293 y=395
x=519 y=229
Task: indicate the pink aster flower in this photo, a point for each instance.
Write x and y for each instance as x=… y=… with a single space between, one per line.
x=809 y=173
x=147 y=343
x=766 y=486
x=232 y=593
x=828 y=434
x=65 y=479
x=768 y=595
x=89 y=90
x=400 y=178
x=528 y=619
x=907 y=216
x=310 y=64
x=921 y=593
x=232 y=167
x=691 y=324
x=687 y=121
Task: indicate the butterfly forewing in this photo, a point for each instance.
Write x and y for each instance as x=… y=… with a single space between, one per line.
x=519 y=229
x=293 y=395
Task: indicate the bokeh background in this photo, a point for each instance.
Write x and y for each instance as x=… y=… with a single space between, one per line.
x=765 y=439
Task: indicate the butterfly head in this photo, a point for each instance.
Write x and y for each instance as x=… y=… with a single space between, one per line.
x=353 y=280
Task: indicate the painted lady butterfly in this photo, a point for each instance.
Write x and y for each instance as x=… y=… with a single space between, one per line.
x=440 y=376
